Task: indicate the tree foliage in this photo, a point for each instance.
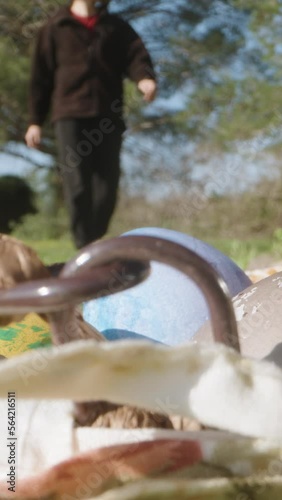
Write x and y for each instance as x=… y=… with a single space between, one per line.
x=220 y=57
x=229 y=62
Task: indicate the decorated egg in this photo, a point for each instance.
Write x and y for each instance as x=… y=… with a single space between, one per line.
x=258 y=312
x=168 y=306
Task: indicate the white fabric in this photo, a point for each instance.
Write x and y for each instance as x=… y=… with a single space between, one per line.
x=44 y=435
x=208 y=382
x=211 y=383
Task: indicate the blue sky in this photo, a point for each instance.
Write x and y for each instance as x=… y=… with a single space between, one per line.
x=12 y=164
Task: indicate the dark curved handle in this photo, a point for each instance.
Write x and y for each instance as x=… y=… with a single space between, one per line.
x=90 y=272
x=213 y=287
x=55 y=294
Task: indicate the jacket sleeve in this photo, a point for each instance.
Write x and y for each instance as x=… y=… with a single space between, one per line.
x=42 y=77
x=138 y=63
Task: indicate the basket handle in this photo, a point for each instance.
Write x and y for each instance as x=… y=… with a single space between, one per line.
x=148 y=248
x=112 y=265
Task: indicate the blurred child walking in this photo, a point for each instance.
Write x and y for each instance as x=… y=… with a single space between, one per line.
x=81 y=57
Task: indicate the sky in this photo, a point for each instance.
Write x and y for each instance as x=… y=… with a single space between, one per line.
x=226 y=172
x=14 y=165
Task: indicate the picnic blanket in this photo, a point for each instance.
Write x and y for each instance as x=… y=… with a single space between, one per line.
x=32 y=332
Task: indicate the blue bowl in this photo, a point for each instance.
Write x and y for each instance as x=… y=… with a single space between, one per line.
x=168 y=307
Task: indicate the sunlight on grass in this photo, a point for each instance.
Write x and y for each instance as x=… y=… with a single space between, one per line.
x=52 y=250
x=242 y=252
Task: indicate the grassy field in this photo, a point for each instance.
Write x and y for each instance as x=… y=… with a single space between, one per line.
x=51 y=251
x=242 y=252
x=243 y=227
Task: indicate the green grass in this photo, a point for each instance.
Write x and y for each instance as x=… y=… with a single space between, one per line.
x=51 y=251
x=242 y=252
x=243 y=226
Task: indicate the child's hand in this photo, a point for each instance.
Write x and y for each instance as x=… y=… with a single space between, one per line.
x=33 y=136
x=148 y=88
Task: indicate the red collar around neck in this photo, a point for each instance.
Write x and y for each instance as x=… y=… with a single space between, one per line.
x=88 y=21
